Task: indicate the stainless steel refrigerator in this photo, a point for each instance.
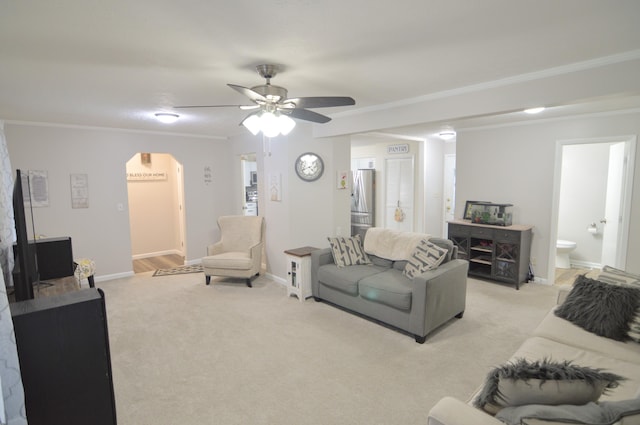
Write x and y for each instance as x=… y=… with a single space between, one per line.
x=363 y=193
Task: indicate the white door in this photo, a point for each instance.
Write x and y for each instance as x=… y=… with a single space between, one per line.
x=612 y=215
x=449 y=191
x=399 y=183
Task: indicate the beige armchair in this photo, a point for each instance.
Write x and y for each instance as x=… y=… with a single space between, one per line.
x=239 y=251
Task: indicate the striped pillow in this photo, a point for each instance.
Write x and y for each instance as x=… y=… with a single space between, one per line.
x=348 y=251
x=426 y=256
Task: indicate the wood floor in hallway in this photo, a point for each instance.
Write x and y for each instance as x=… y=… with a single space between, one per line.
x=150 y=264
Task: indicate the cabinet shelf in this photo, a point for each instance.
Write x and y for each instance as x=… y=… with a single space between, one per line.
x=482 y=260
x=482 y=248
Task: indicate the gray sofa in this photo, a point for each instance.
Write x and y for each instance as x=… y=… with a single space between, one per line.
x=381 y=292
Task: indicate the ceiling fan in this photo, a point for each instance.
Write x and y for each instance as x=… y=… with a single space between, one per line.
x=271 y=104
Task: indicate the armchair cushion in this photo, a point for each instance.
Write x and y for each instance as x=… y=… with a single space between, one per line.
x=229 y=260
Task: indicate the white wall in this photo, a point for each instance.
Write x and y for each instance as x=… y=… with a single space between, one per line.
x=515 y=164
x=101 y=232
x=309 y=212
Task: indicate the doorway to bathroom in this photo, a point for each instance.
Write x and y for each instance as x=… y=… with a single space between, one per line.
x=592 y=201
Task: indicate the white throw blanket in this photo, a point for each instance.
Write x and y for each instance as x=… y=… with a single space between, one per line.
x=392 y=244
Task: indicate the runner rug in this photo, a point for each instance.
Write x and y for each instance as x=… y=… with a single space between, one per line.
x=197 y=268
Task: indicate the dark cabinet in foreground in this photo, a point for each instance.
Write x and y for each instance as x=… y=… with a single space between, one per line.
x=497 y=253
x=65 y=362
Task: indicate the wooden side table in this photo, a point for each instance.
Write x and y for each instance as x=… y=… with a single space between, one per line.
x=299 y=272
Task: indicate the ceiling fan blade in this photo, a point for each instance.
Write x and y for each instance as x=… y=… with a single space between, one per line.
x=255 y=96
x=304 y=114
x=321 y=102
x=215 y=106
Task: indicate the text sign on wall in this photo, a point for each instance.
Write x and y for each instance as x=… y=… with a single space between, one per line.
x=404 y=148
x=147 y=175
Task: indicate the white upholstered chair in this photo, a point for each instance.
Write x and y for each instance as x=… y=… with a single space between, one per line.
x=239 y=251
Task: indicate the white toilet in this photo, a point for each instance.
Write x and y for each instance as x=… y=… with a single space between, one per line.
x=563 y=248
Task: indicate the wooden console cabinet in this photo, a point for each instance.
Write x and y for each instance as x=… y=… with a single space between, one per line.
x=494 y=252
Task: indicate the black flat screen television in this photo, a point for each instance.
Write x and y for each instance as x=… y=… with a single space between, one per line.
x=22 y=281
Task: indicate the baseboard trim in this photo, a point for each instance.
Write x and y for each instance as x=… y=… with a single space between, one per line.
x=585 y=264
x=276 y=279
x=157 y=254
x=105 y=277
x=541 y=280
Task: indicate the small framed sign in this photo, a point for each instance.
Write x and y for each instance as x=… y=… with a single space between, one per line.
x=393 y=149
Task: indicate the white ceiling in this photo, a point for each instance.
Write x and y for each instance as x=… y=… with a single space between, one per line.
x=429 y=62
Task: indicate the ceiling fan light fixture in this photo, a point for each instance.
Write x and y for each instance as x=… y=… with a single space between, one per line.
x=271 y=124
x=252 y=123
x=167 y=117
x=286 y=124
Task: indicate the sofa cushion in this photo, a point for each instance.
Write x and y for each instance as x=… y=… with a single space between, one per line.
x=379 y=261
x=389 y=288
x=522 y=382
x=348 y=251
x=345 y=279
x=601 y=308
x=558 y=329
x=426 y=256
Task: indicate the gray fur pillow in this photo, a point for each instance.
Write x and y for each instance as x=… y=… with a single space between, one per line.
x=600 y=308
x=545 y=382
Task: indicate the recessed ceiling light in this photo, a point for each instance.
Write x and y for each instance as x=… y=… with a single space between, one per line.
x=534 y=110
x=447 y=134
x=167 y=117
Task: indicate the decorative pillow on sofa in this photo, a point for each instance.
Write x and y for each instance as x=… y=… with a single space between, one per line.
x=543 y=382
x=615 y=276
x=426 y=256
x=618 y=277
x=601 y=308
x=348 y=251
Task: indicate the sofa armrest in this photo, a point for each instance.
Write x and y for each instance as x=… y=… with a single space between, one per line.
x=563 y=291
x=441 y=294
x=451 y=411
x=319 y=257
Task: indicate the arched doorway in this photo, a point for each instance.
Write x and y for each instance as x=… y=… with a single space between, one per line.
x=156 y=211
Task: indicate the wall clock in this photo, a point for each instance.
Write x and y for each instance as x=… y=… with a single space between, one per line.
x=309 y=166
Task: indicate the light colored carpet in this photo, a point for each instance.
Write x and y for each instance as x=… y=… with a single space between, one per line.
x=186 y=353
